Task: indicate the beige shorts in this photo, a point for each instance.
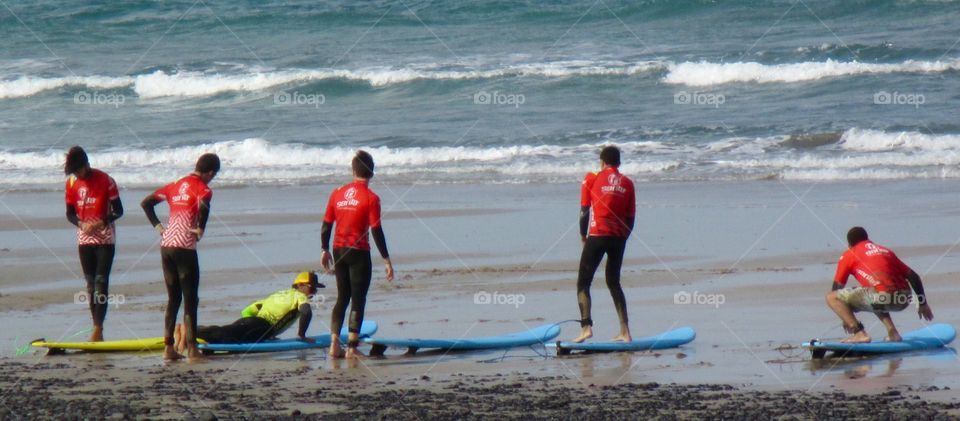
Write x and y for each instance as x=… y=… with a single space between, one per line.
x=869 y=300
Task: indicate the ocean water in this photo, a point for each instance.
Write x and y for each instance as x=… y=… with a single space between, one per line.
x=481 y=92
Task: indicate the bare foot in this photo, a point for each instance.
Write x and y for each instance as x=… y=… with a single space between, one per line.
x=169 y=354
x=178 y=335
x=194 y=354
x=353 y=354
x=895 y=337
x=623 y=337
x=586 y=333
x=860 y=337
x=97 y=334
x=335 y=350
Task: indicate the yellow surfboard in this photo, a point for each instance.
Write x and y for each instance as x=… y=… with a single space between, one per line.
x=125 y=345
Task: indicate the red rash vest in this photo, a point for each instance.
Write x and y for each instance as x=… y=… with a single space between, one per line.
x=355 y=209
x=184 y=197
x=612 y=201
x=874 y=266
x=91 y=197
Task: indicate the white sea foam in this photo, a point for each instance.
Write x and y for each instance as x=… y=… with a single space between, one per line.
x=201 y=84
x=876 y=140
x=710 y=74
x=860 y=154
x=28 y=86
x=252 y=153
x=865 y=174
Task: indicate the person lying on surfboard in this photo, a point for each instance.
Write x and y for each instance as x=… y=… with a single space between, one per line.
x=264 y=319
x=886 y=282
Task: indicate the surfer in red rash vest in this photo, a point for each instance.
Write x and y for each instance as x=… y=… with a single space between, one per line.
x=93 y=205
x=886 y=282
x=189 y=201
x=607 y=213
x=355 y=209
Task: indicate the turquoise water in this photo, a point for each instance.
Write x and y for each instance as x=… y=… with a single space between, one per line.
x=502 y=92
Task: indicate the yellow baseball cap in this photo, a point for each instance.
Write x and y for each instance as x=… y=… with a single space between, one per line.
x=306 y=278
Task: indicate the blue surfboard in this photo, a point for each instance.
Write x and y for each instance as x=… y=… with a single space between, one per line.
x=929 y=337
x=538 y=335
x=669 y=339
x=368 y=328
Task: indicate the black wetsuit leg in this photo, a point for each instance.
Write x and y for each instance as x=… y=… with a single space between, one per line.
x=96 y=262
x=243 y=330
x=171 y=278
x=354 y=271
x=361 y=273
x=181 y=273
x=615 y=249
x=593 y=251
x=590 y=260
x=342 y=272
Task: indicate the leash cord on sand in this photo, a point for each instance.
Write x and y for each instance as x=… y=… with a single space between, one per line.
x=535 y=347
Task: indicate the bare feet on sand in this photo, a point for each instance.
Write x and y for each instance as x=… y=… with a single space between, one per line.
x=353 y=354
x=894 y=337
x=97 y=334
x=181 y=347
x=194 y=354
x=623 y=337
x=178 y=342
x=336 y=351
x=860 y=337
x=169 y=354
x=585 y=333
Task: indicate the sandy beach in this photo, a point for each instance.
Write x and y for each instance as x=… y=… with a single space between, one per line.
x=756 y=133
x=768 y=249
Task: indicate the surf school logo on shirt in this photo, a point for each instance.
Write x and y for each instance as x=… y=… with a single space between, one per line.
x=350 y=198
x=84 y=201
x=873 y=250
x=613 y=185
x=184 y=194
x=868 y=277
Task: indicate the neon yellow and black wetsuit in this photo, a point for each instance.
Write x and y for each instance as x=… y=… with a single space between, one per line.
x=263 y=319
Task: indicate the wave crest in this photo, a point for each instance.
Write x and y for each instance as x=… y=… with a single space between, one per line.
x=710 y=74
x=860 y=154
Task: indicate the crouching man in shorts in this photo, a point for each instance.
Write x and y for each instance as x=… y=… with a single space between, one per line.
x=885 y=286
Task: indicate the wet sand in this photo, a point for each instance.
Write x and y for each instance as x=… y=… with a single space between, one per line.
x=768 y=249
x=211 y=391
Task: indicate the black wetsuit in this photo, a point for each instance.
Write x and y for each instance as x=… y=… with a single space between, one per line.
x=354 y=271
x=243 y=330
x=96 y=261
x=594 y=248
x=593 y=251
x=181 y=274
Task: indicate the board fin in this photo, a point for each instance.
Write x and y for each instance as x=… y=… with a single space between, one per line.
x=377 y=350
